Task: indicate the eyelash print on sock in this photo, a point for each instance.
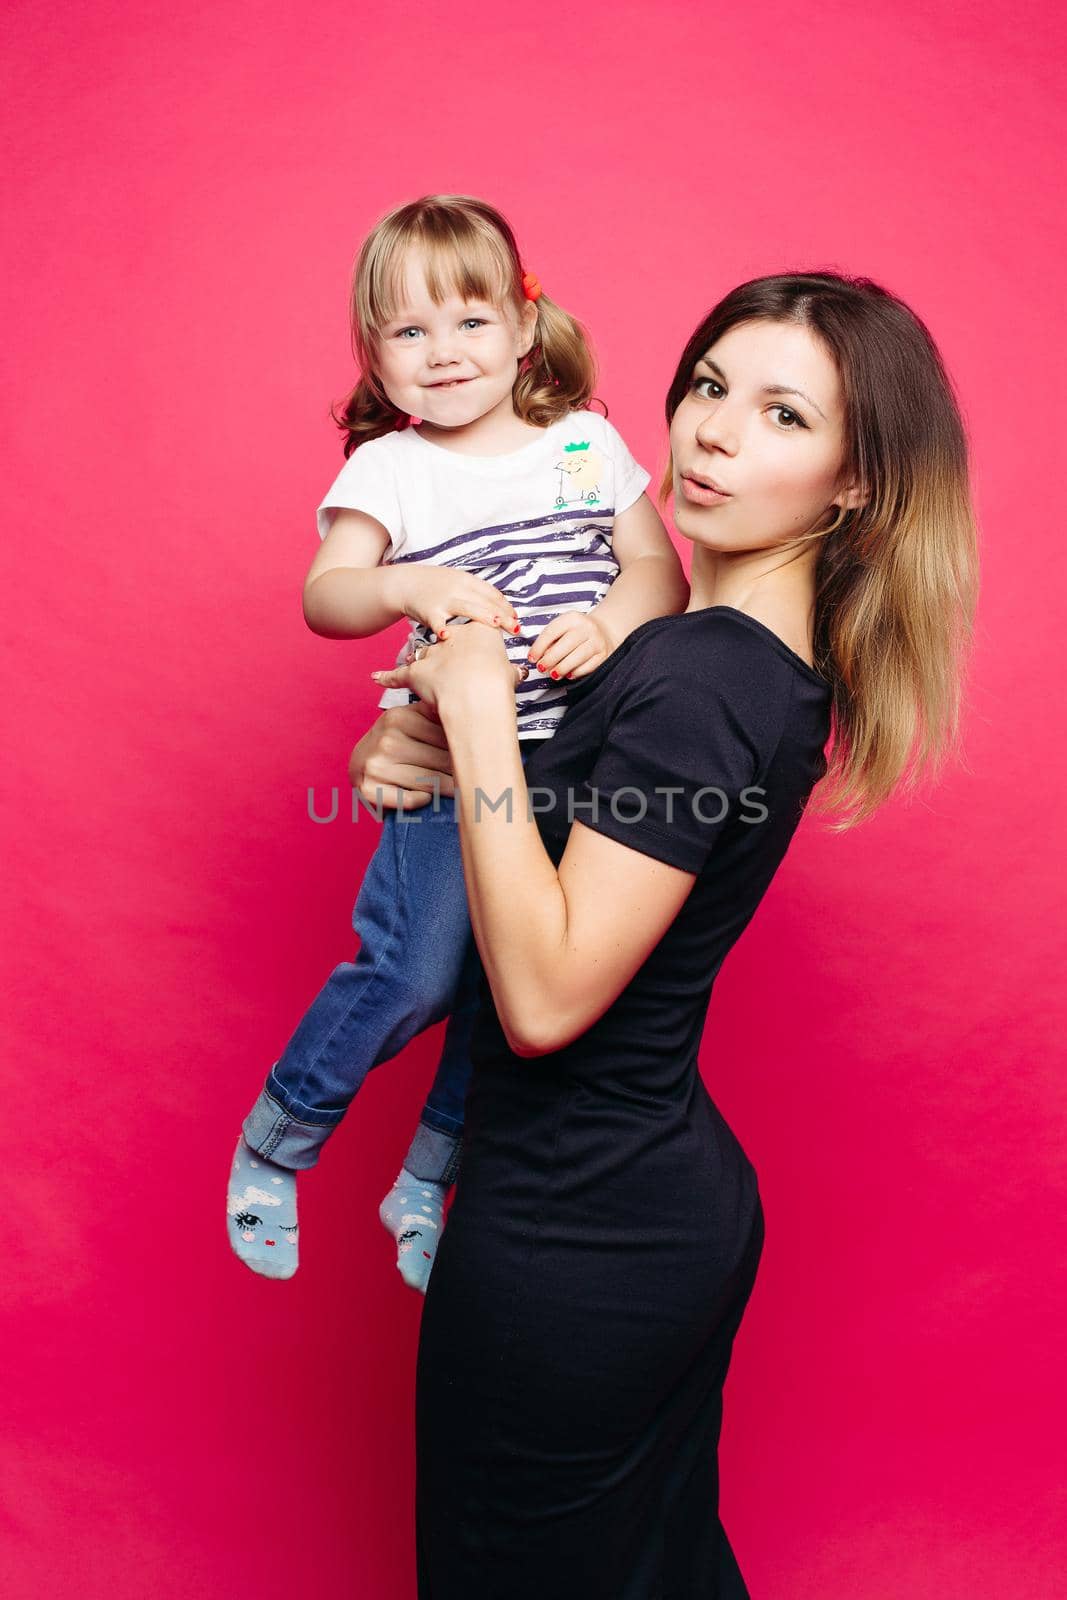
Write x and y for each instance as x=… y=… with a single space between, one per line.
x=260 y=1239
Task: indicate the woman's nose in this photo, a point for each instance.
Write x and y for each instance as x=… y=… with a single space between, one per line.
x=716 y=430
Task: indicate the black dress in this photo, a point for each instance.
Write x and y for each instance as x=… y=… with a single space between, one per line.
x=606 y=1225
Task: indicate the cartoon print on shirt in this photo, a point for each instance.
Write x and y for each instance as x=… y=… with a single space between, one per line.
x=580 y=471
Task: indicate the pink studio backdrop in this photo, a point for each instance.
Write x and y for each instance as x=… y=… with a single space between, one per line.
x=189 y=185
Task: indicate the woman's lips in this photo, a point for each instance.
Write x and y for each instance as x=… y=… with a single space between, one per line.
x=701 y=494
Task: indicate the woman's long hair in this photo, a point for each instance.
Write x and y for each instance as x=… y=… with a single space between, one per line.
x=468 y=249
x=897 y=577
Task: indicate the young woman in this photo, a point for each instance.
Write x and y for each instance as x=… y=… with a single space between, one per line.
x=607 y=1226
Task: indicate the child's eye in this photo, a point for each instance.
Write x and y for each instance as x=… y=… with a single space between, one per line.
x=473 y=322
x=402 y=333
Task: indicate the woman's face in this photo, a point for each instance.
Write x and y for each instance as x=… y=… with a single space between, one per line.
x=763 y=421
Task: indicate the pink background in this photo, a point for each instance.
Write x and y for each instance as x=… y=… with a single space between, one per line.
x=190 y=185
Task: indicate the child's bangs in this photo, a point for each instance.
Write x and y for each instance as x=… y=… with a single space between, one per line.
x=472 y=268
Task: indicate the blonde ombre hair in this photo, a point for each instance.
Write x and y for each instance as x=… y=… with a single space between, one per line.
x=897 y=577
x=467 y=249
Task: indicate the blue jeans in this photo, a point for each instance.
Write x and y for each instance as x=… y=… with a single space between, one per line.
x=417 y=963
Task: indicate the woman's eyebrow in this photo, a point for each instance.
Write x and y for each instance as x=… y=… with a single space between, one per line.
x=769 y=388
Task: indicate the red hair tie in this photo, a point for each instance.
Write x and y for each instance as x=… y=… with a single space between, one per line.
x=531 y=286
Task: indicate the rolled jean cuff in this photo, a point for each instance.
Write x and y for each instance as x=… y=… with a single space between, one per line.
x=433 y=1155
x=277 y=1135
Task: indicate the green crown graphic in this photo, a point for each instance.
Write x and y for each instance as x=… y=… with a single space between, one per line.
x=569 y=447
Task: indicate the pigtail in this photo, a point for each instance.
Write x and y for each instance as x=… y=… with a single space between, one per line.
x=559 y=373
x=366 y=414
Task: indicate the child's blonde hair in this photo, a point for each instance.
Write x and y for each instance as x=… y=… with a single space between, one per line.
x=468 y=249
x=897 y=576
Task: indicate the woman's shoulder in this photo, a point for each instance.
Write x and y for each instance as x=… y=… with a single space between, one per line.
x=722 y=645
x=720 y=669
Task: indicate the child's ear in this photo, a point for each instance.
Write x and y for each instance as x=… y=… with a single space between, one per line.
x=527 y=326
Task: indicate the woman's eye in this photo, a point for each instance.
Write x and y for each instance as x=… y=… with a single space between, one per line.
x=701 y=386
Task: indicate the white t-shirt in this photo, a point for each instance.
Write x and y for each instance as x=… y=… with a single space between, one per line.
x=536 y=523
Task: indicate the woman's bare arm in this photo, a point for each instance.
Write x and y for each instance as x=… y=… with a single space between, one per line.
x=558 y=947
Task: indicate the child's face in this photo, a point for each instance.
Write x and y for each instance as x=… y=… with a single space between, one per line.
x=450 y=364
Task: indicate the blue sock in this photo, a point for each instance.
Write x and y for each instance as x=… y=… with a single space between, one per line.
x=261 y=1213
x=412 y=1213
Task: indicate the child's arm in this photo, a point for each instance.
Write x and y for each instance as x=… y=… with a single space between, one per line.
x=651 y=583
x=348 y=594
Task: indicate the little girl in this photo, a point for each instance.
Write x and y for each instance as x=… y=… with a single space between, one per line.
x=477 y=487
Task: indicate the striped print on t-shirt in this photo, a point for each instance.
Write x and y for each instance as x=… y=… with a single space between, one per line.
x=537 y=523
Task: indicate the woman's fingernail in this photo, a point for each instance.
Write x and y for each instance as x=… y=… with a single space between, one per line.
x=554 y=673
x=540 y=667
x=515 y=629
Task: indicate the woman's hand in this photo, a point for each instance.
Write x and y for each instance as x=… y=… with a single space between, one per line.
x=431 y=594
x=572 y=644
x=401 y=759
x=467 y=660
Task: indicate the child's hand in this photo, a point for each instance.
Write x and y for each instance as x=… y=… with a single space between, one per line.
x=432 y=594
x=571 y=645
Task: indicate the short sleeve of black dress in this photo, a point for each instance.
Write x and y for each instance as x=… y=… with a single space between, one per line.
x=689 y=732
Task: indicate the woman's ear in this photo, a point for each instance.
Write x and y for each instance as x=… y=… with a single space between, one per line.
x=855 y=495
